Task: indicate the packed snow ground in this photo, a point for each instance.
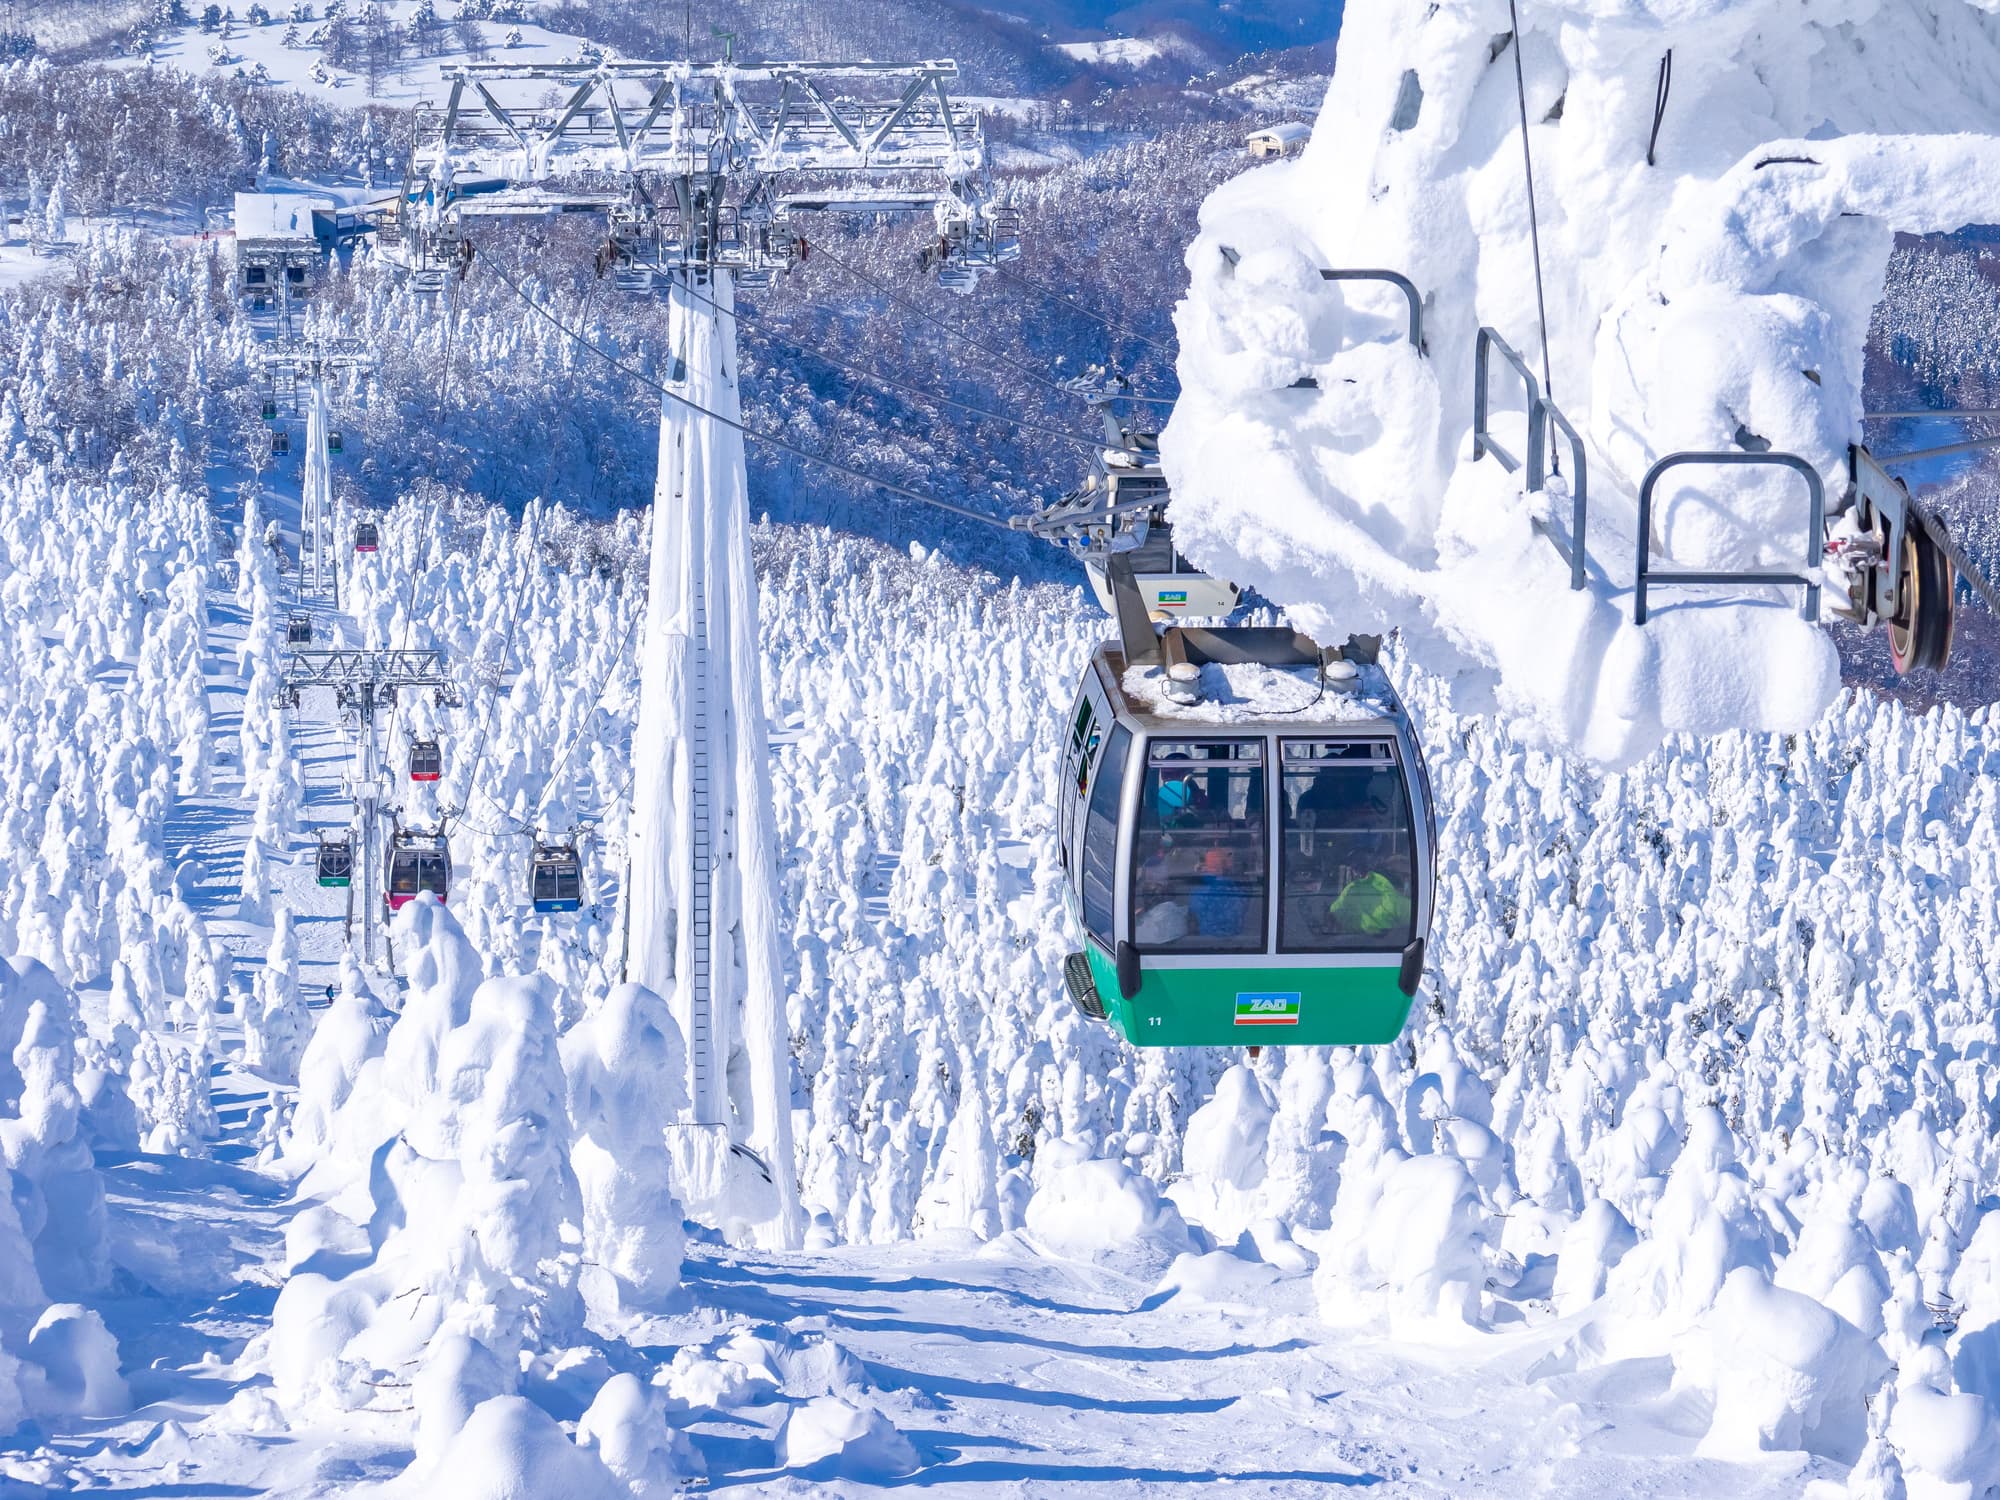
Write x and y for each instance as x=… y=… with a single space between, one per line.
x=1684 y=1177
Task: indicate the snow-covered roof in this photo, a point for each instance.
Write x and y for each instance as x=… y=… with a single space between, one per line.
x=278 y=216
x=1283 y=133
x=1244 y=693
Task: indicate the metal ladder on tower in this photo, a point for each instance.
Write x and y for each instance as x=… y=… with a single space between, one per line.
x=701 y=1029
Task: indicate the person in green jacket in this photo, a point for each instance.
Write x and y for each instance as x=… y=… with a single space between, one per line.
x=1372 y=905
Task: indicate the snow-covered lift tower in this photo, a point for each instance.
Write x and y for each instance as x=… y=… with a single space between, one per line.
x=703 y=170
x=313 y=359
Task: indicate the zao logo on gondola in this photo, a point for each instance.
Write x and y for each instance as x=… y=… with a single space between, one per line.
x=1267 y=1010
x=1173 y=596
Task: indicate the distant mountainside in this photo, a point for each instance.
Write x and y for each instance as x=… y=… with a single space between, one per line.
x=1232 y=27
x=1034 y=47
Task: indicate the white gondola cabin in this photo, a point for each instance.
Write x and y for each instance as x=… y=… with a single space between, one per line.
x=1247 y=840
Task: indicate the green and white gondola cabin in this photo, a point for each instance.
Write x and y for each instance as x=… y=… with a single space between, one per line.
x=1255 y=866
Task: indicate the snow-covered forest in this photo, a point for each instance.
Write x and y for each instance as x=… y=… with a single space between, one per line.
x=1685 y=1178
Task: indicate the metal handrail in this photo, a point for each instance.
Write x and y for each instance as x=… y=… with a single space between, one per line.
x=1541 y=413
x=1402 y=284
x=1482 y=404
x=1645 y=575
x=1579 y=496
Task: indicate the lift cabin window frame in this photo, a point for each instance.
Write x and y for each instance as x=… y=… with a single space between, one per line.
x=1201 y=853
x=1357 y=848
x=556 y=881
x=1090 y=721
x=414 y=871
x=1098 y=878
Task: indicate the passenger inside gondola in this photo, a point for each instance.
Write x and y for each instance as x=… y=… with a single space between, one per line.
x=1346 y=862
x=1199 y=861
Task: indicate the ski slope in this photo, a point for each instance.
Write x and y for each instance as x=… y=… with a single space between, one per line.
x=260 y=53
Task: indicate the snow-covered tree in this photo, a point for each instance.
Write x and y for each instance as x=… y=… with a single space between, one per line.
x=55 y=220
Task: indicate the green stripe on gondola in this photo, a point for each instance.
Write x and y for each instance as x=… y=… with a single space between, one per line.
x=1354 y=1006
x=335 y=882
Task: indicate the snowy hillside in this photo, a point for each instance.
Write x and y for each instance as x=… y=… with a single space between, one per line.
x=389 y=52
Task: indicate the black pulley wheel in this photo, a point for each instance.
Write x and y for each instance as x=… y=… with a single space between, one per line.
x=1920 y=633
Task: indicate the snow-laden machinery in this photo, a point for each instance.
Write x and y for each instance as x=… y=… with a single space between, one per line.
x=1888 y=560
x=1247 y=837
x=1121 y=508
x=699 y=167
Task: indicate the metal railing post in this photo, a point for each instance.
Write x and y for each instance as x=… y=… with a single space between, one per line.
x=1579 y=490
x=1644 y=574
x=1643 y=557
x=1401 y=283
x=1480 y=398
x=1542 y=413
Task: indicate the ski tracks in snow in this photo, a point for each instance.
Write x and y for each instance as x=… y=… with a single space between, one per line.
x=1016 y=1375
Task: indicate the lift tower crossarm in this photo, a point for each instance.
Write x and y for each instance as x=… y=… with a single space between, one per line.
x=702 y=166
x=715 y=113
x=366 y=678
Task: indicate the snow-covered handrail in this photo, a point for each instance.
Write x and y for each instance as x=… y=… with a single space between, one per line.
x=1541 y=412
x=1645 y=574
x=1401 y=283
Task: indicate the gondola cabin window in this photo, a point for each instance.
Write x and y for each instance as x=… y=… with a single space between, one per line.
x=1200 y=876
x=1346 y=860
x=1100 y=838
x=1083 y=742
x=413 y=871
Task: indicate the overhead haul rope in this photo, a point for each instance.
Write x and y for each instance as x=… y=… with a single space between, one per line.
x=768 y=439
x=1660 y=92
x=437 y=498
x=1095 y=317
x=959 y=333
x=1935 y=526
x=1534 y=223
x=532 y=541
x=596 y=702
x=812 y=352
